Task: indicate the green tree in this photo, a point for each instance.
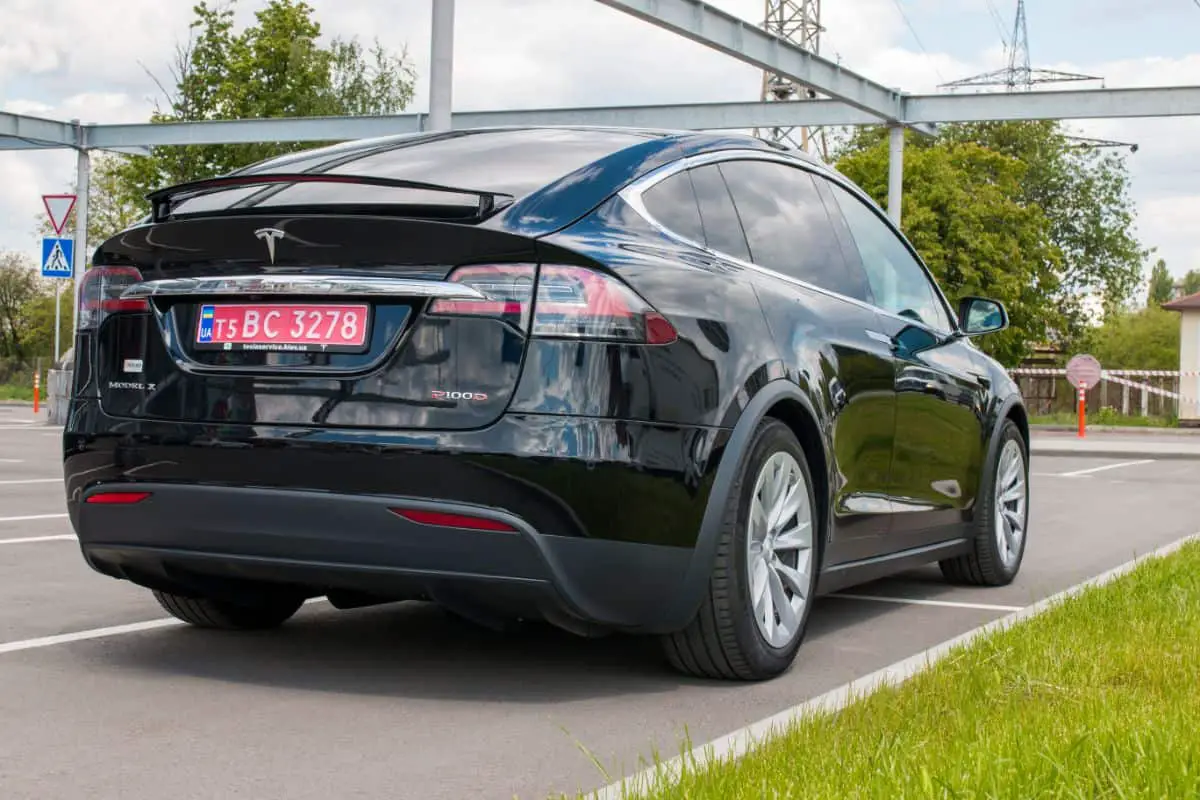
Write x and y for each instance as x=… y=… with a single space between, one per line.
x=1144 y=339
x=1084 y=192
x=276 y=67
x=1191 y=282
x=964 y=215
x=20 y=285
x=1162 y=285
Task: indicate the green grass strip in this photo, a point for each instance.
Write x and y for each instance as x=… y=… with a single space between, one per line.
x=1098 y=697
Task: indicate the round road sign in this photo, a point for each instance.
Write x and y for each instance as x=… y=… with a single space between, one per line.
x=1083 y=371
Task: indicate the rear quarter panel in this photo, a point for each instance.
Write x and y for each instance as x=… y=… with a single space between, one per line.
x=724 y=350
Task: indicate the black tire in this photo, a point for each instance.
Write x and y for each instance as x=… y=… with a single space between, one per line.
x=205 y=612
x=984 y=565
x=723 y=641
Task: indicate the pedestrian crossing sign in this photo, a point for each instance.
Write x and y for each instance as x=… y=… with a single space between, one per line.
x=57 y=257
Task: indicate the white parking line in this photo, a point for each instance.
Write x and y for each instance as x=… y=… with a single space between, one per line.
x=11 y=461
x=912 y=601
x=102 y=633
x=32 y=517
x=1092 y=470
x=64 y=537
x=30 y=480
x=742 y=741
x=94 y=633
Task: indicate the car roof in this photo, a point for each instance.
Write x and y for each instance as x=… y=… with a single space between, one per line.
x=552 y=173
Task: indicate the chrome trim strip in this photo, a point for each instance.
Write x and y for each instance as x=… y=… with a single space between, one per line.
x=302 y=284
x=632 y=195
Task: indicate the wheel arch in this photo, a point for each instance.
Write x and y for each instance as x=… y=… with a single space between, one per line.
x=1011 y=408
x=779 y=399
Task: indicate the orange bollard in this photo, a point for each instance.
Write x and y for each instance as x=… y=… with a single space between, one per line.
x=36 y=386
x=1082 y=411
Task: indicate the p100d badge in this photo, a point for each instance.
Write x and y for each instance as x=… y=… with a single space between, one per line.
x=476 y=396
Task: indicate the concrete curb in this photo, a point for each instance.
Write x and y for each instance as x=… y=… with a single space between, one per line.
x=1158 y=451
x=1120 y=430
x=737 y=744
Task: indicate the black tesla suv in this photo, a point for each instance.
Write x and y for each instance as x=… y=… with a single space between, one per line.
x=666 y=383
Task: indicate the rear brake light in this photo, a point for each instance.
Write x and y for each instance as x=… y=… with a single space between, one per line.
x=507 y=287
x=117 y=498
x=572 y=302
x=444 y=520
x=100 y=294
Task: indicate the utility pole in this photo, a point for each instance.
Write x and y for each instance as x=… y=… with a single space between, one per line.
x=799 y=22
x=1019 y=76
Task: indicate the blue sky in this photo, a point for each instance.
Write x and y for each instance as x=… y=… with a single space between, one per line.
x=547 y=53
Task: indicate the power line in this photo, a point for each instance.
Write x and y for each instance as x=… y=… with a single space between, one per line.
x=916 y=37
x=999 y=21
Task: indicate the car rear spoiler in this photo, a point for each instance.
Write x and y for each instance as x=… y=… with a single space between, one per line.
x=162 y=200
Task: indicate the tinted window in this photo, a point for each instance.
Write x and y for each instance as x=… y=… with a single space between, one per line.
x=898 y=282
x=787 y=227
x=514 y=162
x=722 y=230
x=673 y=203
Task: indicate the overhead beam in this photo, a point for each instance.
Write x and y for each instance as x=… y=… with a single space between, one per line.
x=24 y=132
x=1157 y=101
x=21 y=132
x=735 y=37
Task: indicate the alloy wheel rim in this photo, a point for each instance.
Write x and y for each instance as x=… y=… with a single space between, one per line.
x=1012 y=503
x=779 y=548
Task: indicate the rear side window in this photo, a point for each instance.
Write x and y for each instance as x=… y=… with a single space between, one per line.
x=722 y=230
x=787 y=226
x=672 y=203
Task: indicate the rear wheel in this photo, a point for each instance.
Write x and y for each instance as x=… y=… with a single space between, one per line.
x=755 y=613
x=1002 y=520
x=205 y=612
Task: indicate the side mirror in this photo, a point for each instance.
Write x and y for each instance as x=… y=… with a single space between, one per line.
x=979 y=315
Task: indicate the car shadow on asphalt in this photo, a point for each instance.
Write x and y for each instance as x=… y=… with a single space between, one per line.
x=417 y=650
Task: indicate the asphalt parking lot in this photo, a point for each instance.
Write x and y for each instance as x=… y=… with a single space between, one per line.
x=406 y=702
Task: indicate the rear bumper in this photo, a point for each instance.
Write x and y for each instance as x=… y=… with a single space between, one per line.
x=195 y=536
x=605 y=541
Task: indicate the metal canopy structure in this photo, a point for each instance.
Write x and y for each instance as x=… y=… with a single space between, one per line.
x=854 y=100
x=23 y=132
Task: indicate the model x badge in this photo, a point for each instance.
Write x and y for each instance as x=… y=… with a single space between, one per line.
x=270 y=235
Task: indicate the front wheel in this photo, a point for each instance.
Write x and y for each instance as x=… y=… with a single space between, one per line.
x=755 y=613
x=1002 y=519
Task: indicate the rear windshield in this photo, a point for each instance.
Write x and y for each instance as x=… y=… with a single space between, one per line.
x=515 y=162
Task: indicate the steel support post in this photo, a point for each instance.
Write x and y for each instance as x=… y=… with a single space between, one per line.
x=441 y=72
x=895 y=172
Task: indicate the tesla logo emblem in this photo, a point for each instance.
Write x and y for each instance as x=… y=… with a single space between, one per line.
x=270 y=236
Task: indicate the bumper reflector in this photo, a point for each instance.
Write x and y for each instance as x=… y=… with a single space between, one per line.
x=444 y=520
x=117 y=498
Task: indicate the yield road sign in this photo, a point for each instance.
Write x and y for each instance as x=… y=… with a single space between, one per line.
x=57 y=257
x=58 y=208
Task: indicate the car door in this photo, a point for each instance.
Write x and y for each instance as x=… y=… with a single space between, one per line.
x=829 y=337
x=938 y=449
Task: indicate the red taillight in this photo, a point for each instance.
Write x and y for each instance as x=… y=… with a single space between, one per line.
x=444 y=520
x=572 y=302
x=100 y=294
x=117 y=498
x=507 y=287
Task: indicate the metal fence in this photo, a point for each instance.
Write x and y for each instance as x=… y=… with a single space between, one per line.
x=1132 y=393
